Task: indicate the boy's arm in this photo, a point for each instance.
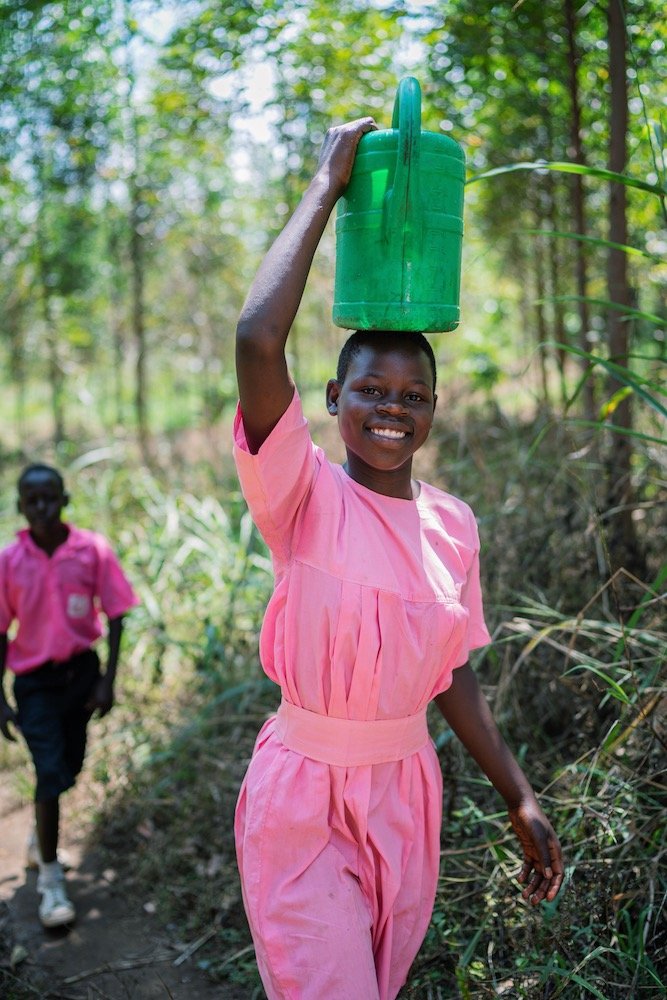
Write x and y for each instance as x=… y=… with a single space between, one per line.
x=103 y=696
x=265 y=386
x=7 y=713
x=466 y=710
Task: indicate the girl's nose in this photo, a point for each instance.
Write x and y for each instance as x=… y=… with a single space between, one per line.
x=391 y=406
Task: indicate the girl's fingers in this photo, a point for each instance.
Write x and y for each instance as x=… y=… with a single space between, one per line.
x=554 y=888
x=526 y=869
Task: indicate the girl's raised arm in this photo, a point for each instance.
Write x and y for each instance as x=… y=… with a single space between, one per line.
x=265 y=386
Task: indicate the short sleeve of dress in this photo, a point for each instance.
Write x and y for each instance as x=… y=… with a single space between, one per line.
x=114 y=590
x=471 y=597
x=277 y=480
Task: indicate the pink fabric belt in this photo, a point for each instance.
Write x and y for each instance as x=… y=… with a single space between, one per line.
x=347 y=742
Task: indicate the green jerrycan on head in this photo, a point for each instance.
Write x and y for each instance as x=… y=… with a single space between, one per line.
x=399 y=227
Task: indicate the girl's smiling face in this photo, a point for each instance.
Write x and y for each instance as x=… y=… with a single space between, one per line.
x=385 y=411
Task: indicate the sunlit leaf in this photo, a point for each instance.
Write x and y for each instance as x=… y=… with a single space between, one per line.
x=572 y=168
x=593 y=241
x=622 y=374
x=606 y=304
x=612 y=404
x=615 y=690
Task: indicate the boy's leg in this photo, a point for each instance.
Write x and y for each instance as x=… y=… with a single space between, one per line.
x=41 y=705
x=76 y=716
x=47 y=820
x=55 y=908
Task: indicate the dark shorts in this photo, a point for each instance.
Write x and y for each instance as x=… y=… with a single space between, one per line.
x=53 y=719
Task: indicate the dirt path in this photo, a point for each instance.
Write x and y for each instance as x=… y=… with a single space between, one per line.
x=115 y=950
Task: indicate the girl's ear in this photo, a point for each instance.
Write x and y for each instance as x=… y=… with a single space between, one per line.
x=333 y=392
x=65 y=499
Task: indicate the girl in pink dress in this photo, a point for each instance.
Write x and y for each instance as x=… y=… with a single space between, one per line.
x=376 y=607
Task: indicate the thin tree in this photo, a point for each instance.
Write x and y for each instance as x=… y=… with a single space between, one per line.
x=622 y=538
x=136 y=248
x=578 y=204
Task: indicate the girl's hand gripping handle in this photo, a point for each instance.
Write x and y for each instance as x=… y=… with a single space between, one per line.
x=338 y=152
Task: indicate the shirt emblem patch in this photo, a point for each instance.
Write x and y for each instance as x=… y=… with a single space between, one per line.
x=78 y=605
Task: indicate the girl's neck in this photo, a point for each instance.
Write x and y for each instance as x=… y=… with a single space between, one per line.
x=397 y=483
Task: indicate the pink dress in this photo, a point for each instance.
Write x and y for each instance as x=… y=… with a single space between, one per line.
x=376 y=601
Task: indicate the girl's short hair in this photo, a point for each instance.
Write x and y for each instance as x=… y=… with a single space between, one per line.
x=379 y=338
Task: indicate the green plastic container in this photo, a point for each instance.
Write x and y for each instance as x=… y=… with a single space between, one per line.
x=399 y=227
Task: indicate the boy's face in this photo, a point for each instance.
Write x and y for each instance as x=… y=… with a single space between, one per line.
x=384 y=407
x=41 y=501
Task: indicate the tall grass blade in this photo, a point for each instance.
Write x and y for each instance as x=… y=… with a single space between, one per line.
x=629 y=378
x=651 y=594
x=572 y=168
x=615 y=739
x=615 y=690
x=605 y=304
x=593 y=241
x=626 y=431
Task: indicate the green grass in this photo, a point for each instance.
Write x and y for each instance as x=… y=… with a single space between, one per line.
x=575 y=674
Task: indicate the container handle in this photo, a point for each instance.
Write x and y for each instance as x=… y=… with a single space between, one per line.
x=402 y=208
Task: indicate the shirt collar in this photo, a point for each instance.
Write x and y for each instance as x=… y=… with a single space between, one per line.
x=73 y=540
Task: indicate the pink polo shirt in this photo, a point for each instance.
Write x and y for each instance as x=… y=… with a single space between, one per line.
x=56 y=599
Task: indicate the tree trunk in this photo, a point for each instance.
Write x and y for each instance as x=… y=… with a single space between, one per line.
x=559 y=331
x=55 y=370
x=138 y=321
x=17 y=362
x=116 y=327
x=136 y=246
x=579 y=208
x=622 y=539
x=540 y=320
x=56 y=379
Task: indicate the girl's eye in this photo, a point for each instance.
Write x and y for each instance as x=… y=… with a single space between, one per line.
x=370 y=390
x=414 y=397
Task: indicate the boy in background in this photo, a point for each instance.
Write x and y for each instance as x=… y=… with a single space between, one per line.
x=54 y=580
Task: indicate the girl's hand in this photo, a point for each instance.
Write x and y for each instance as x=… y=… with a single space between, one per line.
x=542 y=867
x=339 y=149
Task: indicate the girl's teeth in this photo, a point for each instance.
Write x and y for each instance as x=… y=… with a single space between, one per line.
x=389 y=434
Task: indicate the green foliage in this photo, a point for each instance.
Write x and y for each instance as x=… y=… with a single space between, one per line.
x=202 y=575
x=136 y=139
x=575 y=684
x=165 y=146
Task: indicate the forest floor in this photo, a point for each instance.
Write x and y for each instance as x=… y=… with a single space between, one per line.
x=116 y=949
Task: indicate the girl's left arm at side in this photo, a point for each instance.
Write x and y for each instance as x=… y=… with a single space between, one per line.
x=466 y=710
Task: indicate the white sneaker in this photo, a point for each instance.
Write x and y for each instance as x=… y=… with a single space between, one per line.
x=55 y=908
